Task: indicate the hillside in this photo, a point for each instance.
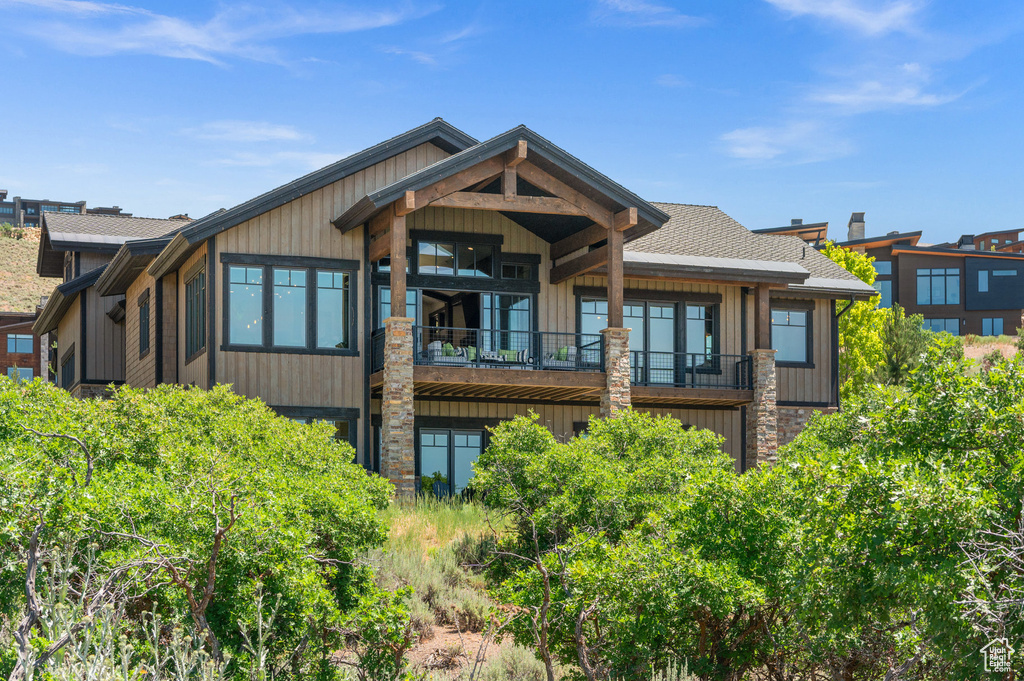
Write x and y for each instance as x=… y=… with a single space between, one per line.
x=20 y=287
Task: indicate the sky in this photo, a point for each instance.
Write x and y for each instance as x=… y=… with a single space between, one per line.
x=907 y=110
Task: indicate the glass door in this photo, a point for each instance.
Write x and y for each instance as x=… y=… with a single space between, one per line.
x=446 y=459
x=661 y=343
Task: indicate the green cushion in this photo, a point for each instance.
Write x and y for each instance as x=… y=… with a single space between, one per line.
x=562 y=354
x=507 y=355
x=471 y=353
x=448 y=350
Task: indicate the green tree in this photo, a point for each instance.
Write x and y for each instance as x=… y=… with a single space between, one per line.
x=904 y=341
x=860 y=326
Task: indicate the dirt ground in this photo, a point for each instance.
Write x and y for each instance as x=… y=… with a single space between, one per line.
x=979 y=351
x=447 y=652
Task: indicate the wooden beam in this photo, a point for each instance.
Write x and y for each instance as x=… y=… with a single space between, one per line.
x=508 y=183
x=762 y=318
x=516 y=154
x=625 y=219
x=520 y=204
x=581 y=265
x=581 y=239
x=380 y=223
x=398 y=258
x=485 y=170
x=380 y=248
x=542 y=180
x=406 y=204
x=615 y=278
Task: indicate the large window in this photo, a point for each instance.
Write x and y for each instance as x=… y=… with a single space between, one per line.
x=144 y=324
x=938 y=286
x=446 y=459
x=19 y=343
x=883 y=267
x=939 y=325
x=791 y=335
x=305 y=307
x=195 y=314
x=992 y=326
x=19 y=374
x=884 y=288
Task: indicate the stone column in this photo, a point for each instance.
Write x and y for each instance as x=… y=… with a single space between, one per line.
x=762 y=413
x=397 y=460
x=617 y=394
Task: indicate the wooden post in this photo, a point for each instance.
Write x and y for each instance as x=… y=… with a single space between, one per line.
x=398 y=262
x=762 y=319
x=615 y=276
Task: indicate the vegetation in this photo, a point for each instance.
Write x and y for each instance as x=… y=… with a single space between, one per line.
x=20 y=287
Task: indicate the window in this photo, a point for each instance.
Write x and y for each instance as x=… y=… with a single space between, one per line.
x=436 y=258
x=31 y=210
x=446 y=459
x=791 y=336
x=19 y=343
x=938 y=286
x=245 y=305
x=195 y=315
x=884 y=288
x=510 y=315
x=700 y=331
x=939 y=325
x=883 y=267
x=992 y=326
x=6 y=210
x=68 y=209
x=19 y=374
x=49 y=208
x=450 y=258
x=289 y=308
x=298 y=307
x=983 y=281
x=67 y=369
x=475 y=260
x=1004 y=273
x=332 y=301
x=411 y=300
x=144 y=325
x=516 y=271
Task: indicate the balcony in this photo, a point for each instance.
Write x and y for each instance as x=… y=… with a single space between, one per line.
x=679 y=378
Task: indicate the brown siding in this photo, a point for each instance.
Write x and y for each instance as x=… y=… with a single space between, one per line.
x=194 y=372
x=16 y=324
x=90 y=261
x=170 y=330
x=69 y=331
x=140 y=372
x=811 y=385
x=105 y=352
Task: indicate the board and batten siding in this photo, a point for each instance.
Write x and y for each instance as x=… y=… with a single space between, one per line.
x=104 y=360
x=170 y=328
x=805 y=385
x=140 y=372
x=195 y=372
x=303 y=228
x=69 y=332
x=90 y=261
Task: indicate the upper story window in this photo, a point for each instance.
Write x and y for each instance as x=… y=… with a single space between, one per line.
x=452 y=258
x=384 y=304
x=195 y=314
x=144 y=324
x=791 y=335
x=883 y=267
x=68 y=209
x=19 y=343
x=31 y=210
x=307 y=308
x=6 y=210
x=436 y=258
x=938 y=286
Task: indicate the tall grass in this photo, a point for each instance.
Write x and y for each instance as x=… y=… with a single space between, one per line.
x=428 y=524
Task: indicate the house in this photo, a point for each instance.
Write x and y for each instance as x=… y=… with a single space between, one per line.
x=22 y=213
x=813 y=233
x=974 y=286
x=433 y=285
x=23 y=355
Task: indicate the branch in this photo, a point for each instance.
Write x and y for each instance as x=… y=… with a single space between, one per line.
x=32 y=607
x=72 y=438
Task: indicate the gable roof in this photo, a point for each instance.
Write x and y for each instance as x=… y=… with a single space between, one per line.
x=706 y=231
x=128 y=263
x=542 y=153
x=61 y=299
x=886 y=240
x=438 y=132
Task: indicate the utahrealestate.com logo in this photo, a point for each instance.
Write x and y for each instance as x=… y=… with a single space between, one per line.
x=998 y=655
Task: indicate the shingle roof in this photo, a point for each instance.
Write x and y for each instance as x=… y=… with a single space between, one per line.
x=708 y=232
x=104 y=231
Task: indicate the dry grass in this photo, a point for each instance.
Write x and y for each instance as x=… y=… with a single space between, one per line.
x=429 y=524
x=20 y=287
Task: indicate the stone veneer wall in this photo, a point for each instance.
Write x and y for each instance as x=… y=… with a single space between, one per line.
x=398 y=458
x=90 y=390
x=792 y=420
x=617 y=394
x=762 y=413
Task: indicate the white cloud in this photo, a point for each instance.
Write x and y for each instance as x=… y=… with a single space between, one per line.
x=306 y=160
x=891 y=16
x=901 y=87
x=239 y=31
x=793 y=142
x=245 y=131
x=670 y=80
x=641 y=13
x=419 y=56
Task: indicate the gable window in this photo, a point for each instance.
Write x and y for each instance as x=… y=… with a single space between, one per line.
x=19 y=343
x=308 y=307
x=938 y=286
x=992 y=326
x=144 y=324
x=195 y=314
x=791 y=335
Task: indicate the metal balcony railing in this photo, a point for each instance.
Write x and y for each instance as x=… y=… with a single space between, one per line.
x=690 y=370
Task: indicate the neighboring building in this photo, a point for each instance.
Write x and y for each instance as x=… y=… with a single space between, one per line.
x=813 y=233
x=975 y=286
x=529 y=281
x=28 y=212
x=23 y=354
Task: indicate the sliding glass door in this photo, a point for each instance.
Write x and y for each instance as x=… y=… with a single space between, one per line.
x=446 y=459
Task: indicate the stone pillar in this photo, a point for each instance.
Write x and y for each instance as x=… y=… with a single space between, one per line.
x=397 y=460
x=762 y=413
x=617 y=394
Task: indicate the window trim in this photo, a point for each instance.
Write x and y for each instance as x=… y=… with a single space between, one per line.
x=945 y=276
x=23 y=336
x=143 y=302
x=198 y=269
x=311 y=265
x=795 y=306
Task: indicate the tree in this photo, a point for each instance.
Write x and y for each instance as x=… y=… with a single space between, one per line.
x=860 y=325
x=904 y=340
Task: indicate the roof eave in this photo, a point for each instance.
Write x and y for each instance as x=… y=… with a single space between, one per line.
x=172 y=256
x=731 y=274
x=49 y=317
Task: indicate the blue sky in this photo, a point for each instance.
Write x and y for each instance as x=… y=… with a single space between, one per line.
x=771 y=109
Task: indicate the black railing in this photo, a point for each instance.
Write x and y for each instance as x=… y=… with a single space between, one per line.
x=689 y=370
x=497 y=349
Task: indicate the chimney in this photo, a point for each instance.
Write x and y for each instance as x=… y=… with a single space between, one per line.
x=796 y=222
x=855 y=227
